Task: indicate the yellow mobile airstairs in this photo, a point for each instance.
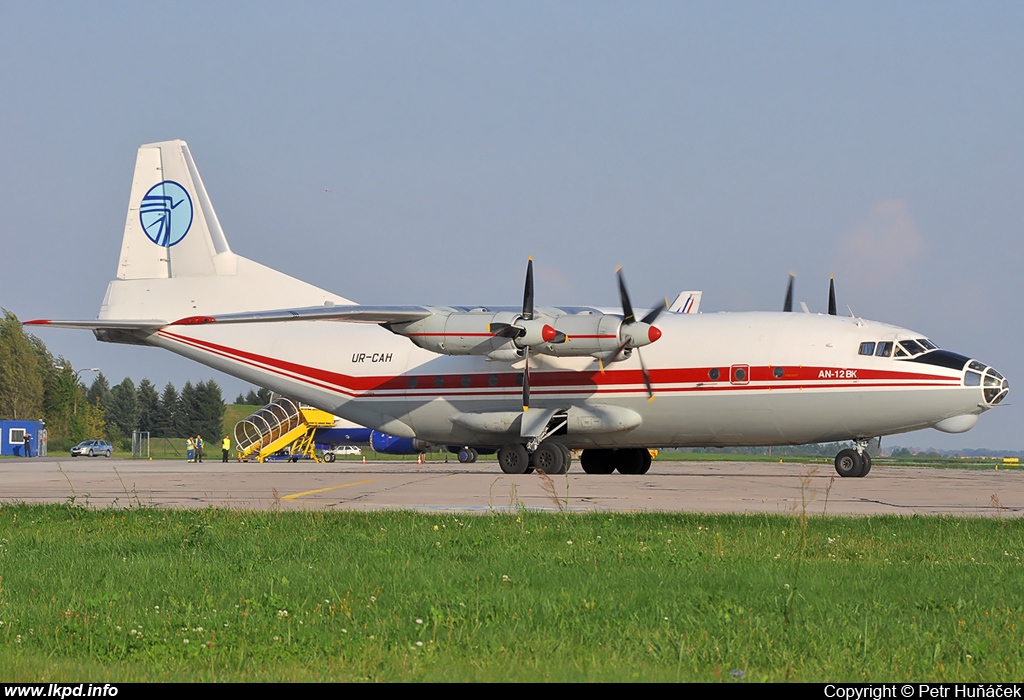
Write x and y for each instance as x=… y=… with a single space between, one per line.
x=278 y=425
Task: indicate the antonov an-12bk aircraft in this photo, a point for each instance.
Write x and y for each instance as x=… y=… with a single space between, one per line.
x=531 y=382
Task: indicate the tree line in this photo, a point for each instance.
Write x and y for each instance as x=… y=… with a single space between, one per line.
x=34 y=384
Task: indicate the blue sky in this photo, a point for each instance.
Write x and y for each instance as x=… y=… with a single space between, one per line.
x=419 y=152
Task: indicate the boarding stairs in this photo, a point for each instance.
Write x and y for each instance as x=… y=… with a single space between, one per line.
x=277 y=425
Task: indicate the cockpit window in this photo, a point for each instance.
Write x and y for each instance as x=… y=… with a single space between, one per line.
x=912 y=347
x=904 y=348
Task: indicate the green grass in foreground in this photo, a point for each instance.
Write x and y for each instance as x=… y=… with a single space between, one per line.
x=149 y=594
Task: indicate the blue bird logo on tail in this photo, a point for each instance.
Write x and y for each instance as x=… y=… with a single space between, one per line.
x=166 y=213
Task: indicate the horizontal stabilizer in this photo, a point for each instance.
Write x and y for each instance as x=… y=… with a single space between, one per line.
x=95 y=325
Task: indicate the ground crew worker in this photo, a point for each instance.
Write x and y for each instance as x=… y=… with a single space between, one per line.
x=199 y=448
x=190 y=448
x=225 y=446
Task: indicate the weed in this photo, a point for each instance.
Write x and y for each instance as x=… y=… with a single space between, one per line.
x=133 y=497
x=547 y=484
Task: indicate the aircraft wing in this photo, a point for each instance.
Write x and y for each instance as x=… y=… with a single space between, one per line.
x=352 y=313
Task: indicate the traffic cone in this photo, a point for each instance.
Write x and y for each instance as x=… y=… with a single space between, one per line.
x=364 y=459
x=419 y=459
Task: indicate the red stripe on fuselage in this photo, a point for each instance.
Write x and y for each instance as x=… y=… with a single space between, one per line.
x=568 y=382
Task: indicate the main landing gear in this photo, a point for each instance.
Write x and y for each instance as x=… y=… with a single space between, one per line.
x=854 y=462
x=549 y=457
x=634 y=460
x=553 y=458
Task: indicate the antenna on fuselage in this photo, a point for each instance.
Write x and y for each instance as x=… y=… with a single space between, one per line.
x=787 y=306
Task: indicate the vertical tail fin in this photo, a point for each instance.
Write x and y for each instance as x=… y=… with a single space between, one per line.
x=175 y=260
x=172 y=229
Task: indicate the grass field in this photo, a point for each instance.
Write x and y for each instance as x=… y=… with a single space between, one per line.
x=146 y=594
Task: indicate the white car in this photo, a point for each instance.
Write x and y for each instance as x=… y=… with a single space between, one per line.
x=92 y=448
x=331 y=454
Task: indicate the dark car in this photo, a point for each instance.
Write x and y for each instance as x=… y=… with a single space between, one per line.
x=92 y=448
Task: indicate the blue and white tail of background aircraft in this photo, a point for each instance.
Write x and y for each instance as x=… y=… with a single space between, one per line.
x=530 y=381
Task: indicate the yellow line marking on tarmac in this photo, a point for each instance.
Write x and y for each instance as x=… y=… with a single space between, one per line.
x=293 y=496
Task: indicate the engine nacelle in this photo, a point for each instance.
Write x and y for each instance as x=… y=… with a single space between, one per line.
x=588 y=334
x=566 y=335
x=460 y=332
x=391 y=445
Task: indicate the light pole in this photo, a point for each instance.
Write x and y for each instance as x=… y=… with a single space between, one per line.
x=78 y=374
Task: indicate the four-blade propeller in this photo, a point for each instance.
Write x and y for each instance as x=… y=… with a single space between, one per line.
x=528 y=331
x=788 y=304
x=634 y=333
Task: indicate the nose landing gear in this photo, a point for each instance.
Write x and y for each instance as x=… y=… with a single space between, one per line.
x=854 y=462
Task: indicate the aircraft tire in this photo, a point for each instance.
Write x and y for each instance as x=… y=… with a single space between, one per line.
x=549 y=458
x=329 y=457
x=866 y=459
x=645 y=461
x=466 y=456
x=568 y=457
x=473 y=455
x=597 y=461
x=629 y=461
x=513 y=459
x=849 y=463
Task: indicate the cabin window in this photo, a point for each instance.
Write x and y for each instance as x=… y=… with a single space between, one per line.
x=977 y=366
x=714 y=374
x=867 y=348
x=439 y=382
x=493 y=380
x=413 y=382
x=927 y=344
x=778 y=372
x=900 y=352
x=466 y=380
x=972 y=379
x=883 y=350
x=739 y=374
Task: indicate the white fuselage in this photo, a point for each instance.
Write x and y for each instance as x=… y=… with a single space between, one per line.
x=782 y=378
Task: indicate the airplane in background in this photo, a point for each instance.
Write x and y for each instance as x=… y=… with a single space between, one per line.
x=530 y=382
